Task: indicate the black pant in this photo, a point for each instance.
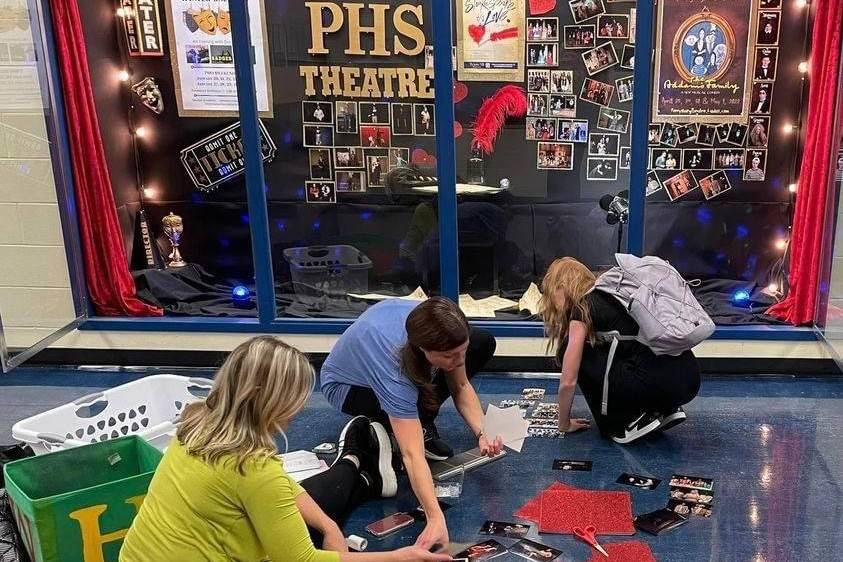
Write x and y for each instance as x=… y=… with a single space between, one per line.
x=362 y=401
x=337 y=491
x=640 y=382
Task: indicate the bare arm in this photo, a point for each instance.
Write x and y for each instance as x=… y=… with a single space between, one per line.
x=410 y=439
x=465 y=399
x=570 y=373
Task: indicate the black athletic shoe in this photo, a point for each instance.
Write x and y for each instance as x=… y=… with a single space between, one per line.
x=672 y=419
x=646 y=423
x=377 y=464
x=434 y=448
x=355 y=439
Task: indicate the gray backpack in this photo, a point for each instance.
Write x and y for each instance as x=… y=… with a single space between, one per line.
x=658 y=298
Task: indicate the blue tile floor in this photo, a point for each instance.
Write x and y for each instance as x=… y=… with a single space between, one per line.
x=772 y=444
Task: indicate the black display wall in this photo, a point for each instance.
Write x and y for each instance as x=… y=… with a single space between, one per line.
x=544 y=215
x=734 y=235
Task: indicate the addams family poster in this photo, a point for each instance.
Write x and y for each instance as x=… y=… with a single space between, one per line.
x=490 y=40
x=703 y=67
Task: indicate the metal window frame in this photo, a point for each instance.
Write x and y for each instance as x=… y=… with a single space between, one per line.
x=267 y=320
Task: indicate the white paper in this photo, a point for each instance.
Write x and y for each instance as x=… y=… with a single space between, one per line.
x=303 y=475
x=507 y=424
x=531 y=299
x=497 y=303
x=417 y=295
x=299 y=461
x=475 y=309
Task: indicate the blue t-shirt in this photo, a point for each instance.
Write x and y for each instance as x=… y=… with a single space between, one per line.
x=367 y=355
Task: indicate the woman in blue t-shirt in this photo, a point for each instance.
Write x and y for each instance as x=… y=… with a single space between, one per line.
x=397 y=364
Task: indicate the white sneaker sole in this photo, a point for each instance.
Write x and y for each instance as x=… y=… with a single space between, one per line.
x=341 y=441
x=672 y=420
x=637 y=434
x=431 y=457
x=387 y=473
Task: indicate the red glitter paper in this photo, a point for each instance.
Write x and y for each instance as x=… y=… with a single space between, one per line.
x=609 y=512
x=636 y=551
x=532 y=510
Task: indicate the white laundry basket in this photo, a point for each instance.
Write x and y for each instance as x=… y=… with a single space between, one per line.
x=149 y=407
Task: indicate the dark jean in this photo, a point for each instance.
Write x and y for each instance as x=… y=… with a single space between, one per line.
x=361 y=401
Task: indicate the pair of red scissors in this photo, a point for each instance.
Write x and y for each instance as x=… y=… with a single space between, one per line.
x=587 y=535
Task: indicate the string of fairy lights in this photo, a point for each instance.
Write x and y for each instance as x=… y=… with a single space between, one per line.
x=778 y=280
x=124 y=77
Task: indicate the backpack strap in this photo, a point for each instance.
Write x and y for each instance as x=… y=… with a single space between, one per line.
x=604 y=407
x=615 y=338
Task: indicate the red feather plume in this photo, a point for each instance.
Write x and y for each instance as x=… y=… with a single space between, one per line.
x=509 y=101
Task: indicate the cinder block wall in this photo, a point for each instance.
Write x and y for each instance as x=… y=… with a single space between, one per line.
x=35 y=296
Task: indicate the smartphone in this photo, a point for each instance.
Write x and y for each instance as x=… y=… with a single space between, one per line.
x=390 y=524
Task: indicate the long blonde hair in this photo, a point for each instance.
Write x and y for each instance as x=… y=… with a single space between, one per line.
x=572 y=281
x=260 y=387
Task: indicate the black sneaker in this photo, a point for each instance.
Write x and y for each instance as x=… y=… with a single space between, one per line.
x=672 y=419
x=376 y=465
x=434 y=448
x=355 y=439
x=646 y=423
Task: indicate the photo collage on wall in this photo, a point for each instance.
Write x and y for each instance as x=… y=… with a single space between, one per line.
x=357 y=168
x=601 y=37
x=683 y=157
x=353 y=145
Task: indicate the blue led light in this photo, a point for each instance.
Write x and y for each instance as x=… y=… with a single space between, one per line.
x=741 y=296
x=241 y=296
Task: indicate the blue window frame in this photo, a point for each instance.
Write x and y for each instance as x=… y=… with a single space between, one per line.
x=267 y=320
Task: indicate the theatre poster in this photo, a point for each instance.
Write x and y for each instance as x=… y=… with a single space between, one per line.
x=202 y=57
x=703 y=60
x=491 y=40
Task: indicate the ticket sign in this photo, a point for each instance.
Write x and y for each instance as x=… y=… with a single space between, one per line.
x=219 y=157
x=142 y=23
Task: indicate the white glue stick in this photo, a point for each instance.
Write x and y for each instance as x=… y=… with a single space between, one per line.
x=356 y=543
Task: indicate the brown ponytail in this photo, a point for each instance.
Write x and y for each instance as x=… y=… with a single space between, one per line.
x=437 y=324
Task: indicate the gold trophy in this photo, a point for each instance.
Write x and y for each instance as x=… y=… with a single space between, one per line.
x=173 y=228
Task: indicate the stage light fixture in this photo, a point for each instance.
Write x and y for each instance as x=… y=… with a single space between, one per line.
x=740 y=297
x=241 y=296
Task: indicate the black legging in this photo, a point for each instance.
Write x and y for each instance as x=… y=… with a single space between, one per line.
x=337 y=491
x=641 y=382
x=362 y=401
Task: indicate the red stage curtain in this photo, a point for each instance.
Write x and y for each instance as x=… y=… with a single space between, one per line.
x=110 y=284
x=806 y=238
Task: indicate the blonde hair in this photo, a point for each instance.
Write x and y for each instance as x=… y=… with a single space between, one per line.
x=572 y=281
x=260 y=387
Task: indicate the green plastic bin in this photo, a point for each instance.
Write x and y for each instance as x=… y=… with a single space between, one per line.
x=77 y=505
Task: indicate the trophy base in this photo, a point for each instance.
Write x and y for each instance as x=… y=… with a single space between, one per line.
x=176 y=264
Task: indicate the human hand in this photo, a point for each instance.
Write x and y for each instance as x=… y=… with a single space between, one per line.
x=418 y=554
x=490 y=449
x=334 y=540
x=574 y=425
x=435 y=532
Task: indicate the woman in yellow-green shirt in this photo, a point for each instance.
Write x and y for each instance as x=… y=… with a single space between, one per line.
x=220 y=492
